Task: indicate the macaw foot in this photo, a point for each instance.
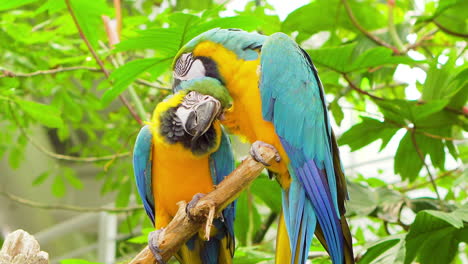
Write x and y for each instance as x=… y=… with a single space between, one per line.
x=192 y=204
x=209 y=218
x=153 y=239
x=256 y=155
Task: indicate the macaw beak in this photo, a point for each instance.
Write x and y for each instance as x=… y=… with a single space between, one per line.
x=197 y=112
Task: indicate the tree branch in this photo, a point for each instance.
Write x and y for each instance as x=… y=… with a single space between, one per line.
x=74 y=208
x=357 y=89
x=182 y=228
x=439 y=177
x=10 y=74
x=372 y=37
x=99 y=61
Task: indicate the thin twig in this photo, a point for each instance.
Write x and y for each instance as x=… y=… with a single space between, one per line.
x=429 y=173
x=364 y=31
x=99 y=61
x=60 y=156
x=357 y=89
x=420 y=41
x=149 y=84
x=11 y=74
x=66 y=207
x=443 y=175
x=354 y=87
x=260 y=234
x=449 y=31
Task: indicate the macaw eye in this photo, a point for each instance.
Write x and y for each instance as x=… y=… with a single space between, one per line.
x=187 y=68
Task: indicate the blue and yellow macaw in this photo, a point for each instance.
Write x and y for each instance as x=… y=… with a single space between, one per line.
x=278 y=101
x=183 y=151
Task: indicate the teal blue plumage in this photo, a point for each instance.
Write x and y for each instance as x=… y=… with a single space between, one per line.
x=293 y=100
x=221 y=165
x=142 y=169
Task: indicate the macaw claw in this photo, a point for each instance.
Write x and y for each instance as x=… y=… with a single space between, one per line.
x=192 y=204
x=256 y=155
x=153 y=239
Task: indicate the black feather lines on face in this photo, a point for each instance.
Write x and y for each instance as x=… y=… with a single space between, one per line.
x=172 y=130
x=211 y=68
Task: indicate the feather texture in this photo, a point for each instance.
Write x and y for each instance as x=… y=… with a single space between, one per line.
x=148 y=172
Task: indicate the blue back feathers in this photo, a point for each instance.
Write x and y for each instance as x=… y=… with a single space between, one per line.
x=142 y=169
x=238 y=41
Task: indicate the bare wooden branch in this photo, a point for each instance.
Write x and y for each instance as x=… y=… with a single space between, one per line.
x=21 y=248
x=182 y=228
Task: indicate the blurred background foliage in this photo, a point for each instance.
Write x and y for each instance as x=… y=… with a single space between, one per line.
x=91 y=96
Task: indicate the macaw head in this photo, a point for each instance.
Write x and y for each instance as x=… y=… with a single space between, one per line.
x=190 y=116
x=202 y=56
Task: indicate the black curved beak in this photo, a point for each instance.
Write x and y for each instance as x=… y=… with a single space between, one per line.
x=203 y=111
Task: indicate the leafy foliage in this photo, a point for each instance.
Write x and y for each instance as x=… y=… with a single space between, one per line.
x=51 y=81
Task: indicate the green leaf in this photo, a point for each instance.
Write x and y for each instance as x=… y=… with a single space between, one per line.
x=41 y=178
x=45 y=114
x=167 y=41
x=374 y=253
x=369 y=201
x=88 y=13
x=407 y=162
x=345 y=59
x=17 y=152
x=58 y=186
x=123 y=194
x=452 y=18
x=127 y=73
x=437 y=81
x=193 y=5
x=70 y=176
x=368 y=131
x=363 y=200
x=337 y=112
x=264 y=189
x=10 y=4
x=241 y=225
x=434 y=148
x=424 y=110
x=428 y=230
x=247 y=218
x=330 y=14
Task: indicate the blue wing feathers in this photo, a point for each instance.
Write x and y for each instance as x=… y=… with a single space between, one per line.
x=221 y=165
x=142 y=169
x=292 y=94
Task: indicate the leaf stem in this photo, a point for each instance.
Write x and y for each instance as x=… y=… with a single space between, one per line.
x=429 y=173
x=11 y=74
x=391 y=26
x=74 y=208
x=449 y=31
x=60 y=156
x=99 y=61
x=372 y=37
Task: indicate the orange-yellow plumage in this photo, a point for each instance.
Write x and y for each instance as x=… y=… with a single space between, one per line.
x=245 y=117
x=180 y=174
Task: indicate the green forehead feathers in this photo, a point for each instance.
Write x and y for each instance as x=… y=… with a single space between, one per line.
x=208 y=86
